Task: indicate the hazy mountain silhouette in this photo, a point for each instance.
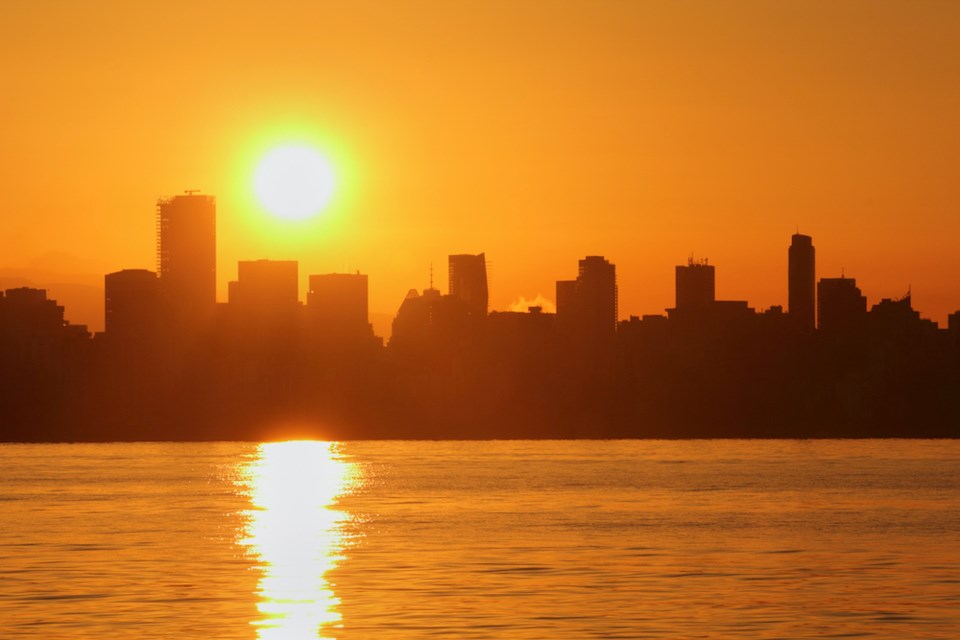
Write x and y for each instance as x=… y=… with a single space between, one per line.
x=80 y=269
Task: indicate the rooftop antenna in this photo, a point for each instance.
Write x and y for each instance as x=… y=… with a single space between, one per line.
x=431 y=275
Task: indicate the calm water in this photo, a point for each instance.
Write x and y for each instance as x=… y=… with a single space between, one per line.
x=701 y=539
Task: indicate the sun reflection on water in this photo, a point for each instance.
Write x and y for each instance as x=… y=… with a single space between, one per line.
x=296 y=534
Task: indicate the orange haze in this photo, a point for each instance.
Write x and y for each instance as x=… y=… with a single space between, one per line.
x=535 y=131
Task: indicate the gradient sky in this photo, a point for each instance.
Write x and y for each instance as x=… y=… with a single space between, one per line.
x=536 y=131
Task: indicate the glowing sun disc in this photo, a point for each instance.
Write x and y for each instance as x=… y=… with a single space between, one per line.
x=293 y=182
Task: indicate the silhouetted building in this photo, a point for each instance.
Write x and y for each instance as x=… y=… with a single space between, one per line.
x=566 y=298
x=772 y=323
x=841 y=308
x=597 y=292
x=429 y=321
x=131 y=303
x=697 y=307
x=801 y=282
x=732 y=310
x=520 y=328
x=260 y=325
x=265 y=285
x=337 y=303
x=587 y=306
x=518 y=346
x=642 y=330
x=953 y=322
x=897 y=320
x=187 y=255
x=28 y=313
x=468 y=280
x=34 y=334
x=953 y=329
x=696 y=286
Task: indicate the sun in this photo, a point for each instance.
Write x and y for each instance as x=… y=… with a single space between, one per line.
x=294 y=182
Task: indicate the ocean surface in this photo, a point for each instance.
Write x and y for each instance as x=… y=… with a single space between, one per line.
x=524 y=539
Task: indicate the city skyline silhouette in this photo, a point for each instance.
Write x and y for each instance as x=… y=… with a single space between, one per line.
x=95 y=320
x=517 y=218
x=192 y=277
x=827 y=366
x=642 y=132
x=531 y=319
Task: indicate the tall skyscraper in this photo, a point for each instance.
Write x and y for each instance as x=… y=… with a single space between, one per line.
x=597 y=293
x=802 y=283
x=588 y=305
x=468 y=280
x=696 y=286
x=187 y=255
x=131 y=304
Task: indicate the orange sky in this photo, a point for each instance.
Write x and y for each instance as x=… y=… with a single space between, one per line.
x=536 y=131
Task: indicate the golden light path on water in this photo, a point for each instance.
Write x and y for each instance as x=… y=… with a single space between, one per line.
x=296 y=534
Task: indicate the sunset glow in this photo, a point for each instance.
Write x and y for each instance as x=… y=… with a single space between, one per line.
x=360 y=319
x=294 y=182
x=638 y=131
x=294 y=531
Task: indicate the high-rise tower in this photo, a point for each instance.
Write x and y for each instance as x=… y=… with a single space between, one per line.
x=696 y=286
x=588 y=305
x=597 y=291
x=468 y=280
x=187 y=254
x=801 y=286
